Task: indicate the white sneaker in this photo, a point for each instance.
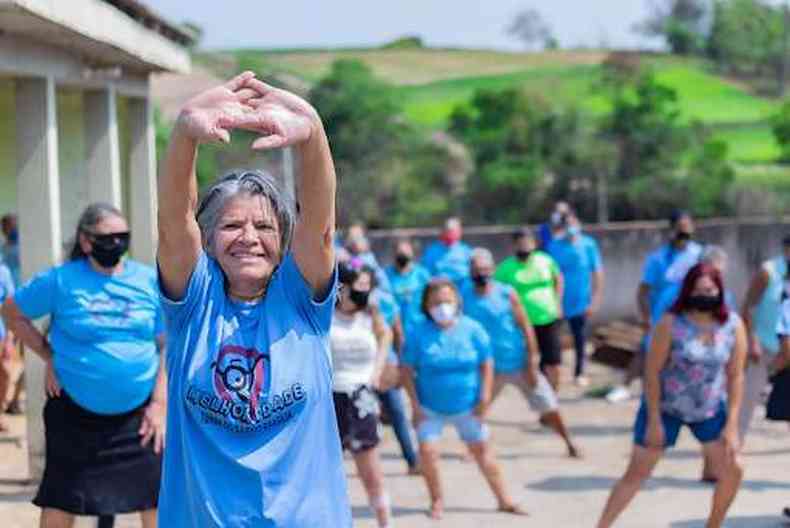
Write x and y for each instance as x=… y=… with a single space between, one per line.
x=618 y=394
x=581 y=381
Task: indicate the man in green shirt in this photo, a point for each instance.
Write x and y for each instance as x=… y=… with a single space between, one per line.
x=538 y=281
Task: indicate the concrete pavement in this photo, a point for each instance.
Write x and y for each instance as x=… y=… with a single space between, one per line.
x=557 y=491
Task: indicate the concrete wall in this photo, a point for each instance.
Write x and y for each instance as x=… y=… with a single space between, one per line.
x=624 y=247
x=7 y=147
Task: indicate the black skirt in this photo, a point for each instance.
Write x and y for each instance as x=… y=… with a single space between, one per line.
x=95 y=464
x=778 y=406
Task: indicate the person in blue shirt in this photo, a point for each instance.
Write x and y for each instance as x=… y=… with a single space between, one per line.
x=8 y=352
x=664 y=271
x=556 y=223
x=358 y=246
x=497 y=307
x=407 y=280
x=448 y=372
x=448 y=256
x=579 y=260
x=10 y=250
x=105 y=379
x=249 y=292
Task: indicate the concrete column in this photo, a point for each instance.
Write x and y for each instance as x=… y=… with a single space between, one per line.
x=102 y=153
x=142 y=180
x=38 y=206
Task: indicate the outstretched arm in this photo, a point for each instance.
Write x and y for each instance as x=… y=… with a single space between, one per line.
x=208 y=117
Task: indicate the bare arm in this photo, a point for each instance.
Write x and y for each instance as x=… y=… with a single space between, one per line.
x=25 y=330
x=754 y=293
x=486 y=386
x=407 y=379
x=643 y=304
x=656 y=359
x=383 y=342
x=597 y=291
x=207 y=117
x=559 y=287
x=160 y=389
x=735 y=377
x=398 y=337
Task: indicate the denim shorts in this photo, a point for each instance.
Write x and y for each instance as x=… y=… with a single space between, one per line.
x=469 y=427
x=705 y=431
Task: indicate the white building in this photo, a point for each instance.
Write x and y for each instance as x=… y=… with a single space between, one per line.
x=76 y=126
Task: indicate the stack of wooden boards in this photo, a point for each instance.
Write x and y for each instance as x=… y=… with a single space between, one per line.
x=616 y=343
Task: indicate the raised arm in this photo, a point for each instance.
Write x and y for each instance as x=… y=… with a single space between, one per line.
x=284 y=120
x=208 y=117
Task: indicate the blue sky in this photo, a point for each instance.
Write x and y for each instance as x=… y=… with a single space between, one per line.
x=462 y=23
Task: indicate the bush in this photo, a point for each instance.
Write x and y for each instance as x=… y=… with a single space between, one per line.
x=407 y=42
x=781 y=130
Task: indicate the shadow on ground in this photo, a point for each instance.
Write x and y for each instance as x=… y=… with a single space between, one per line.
x=591 y=483
x=363 y=512
x=744 y=521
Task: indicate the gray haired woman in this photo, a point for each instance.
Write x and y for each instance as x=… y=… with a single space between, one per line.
x=249 y=292
x=104 y=416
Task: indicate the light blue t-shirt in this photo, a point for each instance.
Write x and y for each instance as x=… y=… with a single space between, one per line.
x=451 y=261
x=765 y=316
x=6 y=291
x=665 y=269
x=447 y=364
x=494 y=311
x=252 y=435
x=407 y=289
x=578 y=259
x=103 y=331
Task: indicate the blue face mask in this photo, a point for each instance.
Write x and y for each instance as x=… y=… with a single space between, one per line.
x=574 y=231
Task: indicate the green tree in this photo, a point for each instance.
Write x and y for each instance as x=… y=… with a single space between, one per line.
x=369 y=139
x=680 y=23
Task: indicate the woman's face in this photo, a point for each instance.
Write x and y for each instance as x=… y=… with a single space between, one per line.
x=109 y=225
x=247 y=242
x=705 y=286
x=442 y=296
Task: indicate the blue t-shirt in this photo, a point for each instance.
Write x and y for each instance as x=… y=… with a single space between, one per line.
x=103 y=331
x=6 y=291
x=407 y=289
x=494 y=311
x=578 y=259
x=665 y=269
x=447 y=364
x=11 y=259
x=252 y=435
x=451 y=261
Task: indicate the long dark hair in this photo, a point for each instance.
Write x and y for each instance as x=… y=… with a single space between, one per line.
x=90 y=218
x=721 y=313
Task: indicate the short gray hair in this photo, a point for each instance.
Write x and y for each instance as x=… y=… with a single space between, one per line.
x=248 y=183
x=482 y=254
x=713 y=254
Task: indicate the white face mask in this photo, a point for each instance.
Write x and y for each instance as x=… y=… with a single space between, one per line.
x=444 y=313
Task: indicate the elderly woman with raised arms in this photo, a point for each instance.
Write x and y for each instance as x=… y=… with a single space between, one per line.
x=248 y=291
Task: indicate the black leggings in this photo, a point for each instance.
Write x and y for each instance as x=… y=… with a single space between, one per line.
x=578 y=327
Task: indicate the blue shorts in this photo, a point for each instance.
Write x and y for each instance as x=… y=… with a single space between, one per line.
x=705 y=431
x=469 y=427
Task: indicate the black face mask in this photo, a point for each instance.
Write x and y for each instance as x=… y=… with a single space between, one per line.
x=682 y=237
x=107 y=250
x=522 y=254
x=481 y=280
x=402 y=260
x=704 y=303
x=359 y=298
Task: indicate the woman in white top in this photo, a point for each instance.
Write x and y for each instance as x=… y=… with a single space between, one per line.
x=360 y=341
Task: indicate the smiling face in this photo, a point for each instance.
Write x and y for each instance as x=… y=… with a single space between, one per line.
x=246 y=243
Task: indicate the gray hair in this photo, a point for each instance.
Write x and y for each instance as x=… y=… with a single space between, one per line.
x=89 y=219
x=482 y=254
x=713 y=254
x=247 y=183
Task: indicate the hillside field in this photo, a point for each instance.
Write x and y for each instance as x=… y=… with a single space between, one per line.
x=431 y=82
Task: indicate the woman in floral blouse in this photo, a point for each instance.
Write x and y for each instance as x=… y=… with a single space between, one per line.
x=693 y=377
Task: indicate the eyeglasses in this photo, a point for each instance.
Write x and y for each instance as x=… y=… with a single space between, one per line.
x=109 y=238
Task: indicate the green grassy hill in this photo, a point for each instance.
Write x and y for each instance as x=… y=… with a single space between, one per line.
x=430 y=82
